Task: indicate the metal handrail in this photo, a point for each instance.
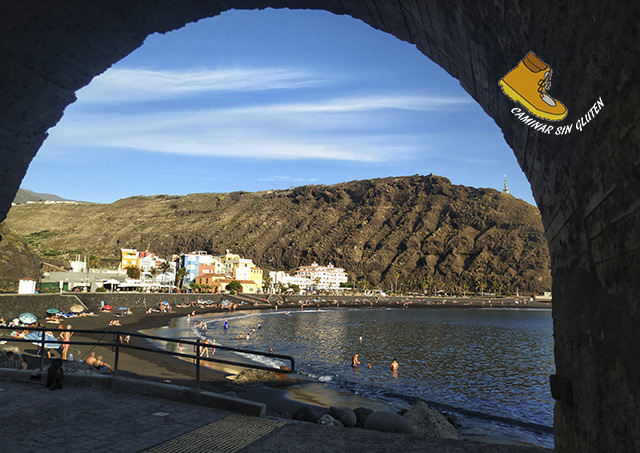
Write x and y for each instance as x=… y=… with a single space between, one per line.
x=117 y=344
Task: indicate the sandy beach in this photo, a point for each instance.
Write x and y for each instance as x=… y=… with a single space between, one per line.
x=216 y=377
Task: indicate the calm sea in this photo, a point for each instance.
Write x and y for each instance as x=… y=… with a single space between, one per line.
x=489 y=367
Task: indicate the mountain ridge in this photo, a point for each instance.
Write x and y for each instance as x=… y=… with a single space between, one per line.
x=412 y=231
x=25 y=195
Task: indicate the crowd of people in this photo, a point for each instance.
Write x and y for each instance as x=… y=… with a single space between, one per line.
x=12 y=361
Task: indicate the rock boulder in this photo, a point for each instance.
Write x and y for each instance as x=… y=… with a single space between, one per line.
x=389 y=422
x=345 y=415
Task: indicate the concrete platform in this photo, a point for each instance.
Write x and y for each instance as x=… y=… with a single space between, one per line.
x=81 y=418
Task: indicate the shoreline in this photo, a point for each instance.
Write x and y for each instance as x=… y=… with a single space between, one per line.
x=280 y=401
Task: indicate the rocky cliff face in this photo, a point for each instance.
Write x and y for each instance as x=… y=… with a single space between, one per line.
x=17 y=261
x=417 y=232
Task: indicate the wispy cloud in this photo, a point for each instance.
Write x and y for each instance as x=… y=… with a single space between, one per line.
x=365 y=128
x=372 y=102
x=135 y=85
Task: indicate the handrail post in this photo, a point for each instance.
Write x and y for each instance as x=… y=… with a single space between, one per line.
x=42 y=351
x=197 y=363
x=117 y=358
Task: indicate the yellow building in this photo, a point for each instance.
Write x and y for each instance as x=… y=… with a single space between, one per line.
x=248 y=286
x=129 y=258
x=256 y=276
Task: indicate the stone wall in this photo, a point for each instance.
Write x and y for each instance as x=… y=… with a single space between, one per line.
x=586 y=183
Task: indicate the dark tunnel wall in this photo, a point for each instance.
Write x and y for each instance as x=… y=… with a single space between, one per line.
x=586 y=182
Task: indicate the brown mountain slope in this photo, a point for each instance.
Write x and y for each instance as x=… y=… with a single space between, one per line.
x=16 y=260
x=414 y=230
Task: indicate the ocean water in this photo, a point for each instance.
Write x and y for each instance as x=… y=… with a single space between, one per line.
x=488 y=367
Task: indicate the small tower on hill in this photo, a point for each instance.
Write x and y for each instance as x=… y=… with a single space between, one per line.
x=505 y=189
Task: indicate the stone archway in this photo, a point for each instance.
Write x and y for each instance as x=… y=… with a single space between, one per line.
x=586 y=183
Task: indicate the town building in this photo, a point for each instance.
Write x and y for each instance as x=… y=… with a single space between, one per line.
x=231 y=265
x=218 y=283
x=80 y=281
x=326 y=277
x=281 y=280
x=192 y=262
x=148 y=261
x=129 y=258
x=27 y=286
x=78 y=265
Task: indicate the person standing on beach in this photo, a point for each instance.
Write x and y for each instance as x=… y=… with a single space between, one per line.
x=66 y=338
x=180 y=346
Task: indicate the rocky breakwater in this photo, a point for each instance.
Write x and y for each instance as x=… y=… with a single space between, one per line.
x=420 y=419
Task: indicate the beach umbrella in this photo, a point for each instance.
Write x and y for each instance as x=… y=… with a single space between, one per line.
x=164 y=302
x=52 y=311
x=49 y=340
x=107 y=307
x=123 y=308
x=77 y=308
x=27 y=318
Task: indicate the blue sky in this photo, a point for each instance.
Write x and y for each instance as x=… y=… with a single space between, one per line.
x=259 y=100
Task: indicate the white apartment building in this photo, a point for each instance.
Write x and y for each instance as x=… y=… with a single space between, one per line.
x=326 y=277
x=149 y=262
x=283 y=279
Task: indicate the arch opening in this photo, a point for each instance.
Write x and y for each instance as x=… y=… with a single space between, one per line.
x=131 y=120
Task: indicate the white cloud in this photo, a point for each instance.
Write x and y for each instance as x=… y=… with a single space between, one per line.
x=135 y=85
x=373 y=102
x=367 y=128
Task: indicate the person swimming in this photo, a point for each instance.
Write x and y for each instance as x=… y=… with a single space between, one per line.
x=354 y=361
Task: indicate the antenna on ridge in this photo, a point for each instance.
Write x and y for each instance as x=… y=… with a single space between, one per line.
x=505 y=189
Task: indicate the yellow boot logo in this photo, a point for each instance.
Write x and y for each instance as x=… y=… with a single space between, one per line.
x=528 y=84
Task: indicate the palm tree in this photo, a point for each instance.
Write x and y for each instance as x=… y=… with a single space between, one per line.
x=180 y=275
x=266 y=282
x=429 y=283
x=481 y=286
x=496 y=286
x=153 y=272
x=164 y=267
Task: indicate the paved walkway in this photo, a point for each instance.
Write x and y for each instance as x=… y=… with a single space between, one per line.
x=74 y=419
